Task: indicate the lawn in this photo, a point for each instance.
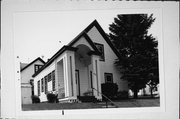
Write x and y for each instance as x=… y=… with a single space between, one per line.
x=119 y=103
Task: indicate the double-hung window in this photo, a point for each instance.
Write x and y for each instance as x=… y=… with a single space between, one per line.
x=108 y=77
x=100 y=47
x=46 y=84
x=53 y=80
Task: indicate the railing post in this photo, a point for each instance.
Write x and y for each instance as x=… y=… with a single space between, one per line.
x=106 y=104
x=106 y=98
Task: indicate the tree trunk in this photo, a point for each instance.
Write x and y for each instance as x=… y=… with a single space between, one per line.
x=135 y=93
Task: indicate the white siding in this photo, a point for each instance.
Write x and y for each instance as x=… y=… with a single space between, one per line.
x=49 y=86
x=26 y=94
x=41 y=75
x=107 y=65
x=26 y=74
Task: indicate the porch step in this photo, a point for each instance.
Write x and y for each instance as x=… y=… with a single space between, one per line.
x=87 y=98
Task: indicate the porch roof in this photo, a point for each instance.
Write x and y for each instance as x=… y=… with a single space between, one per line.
x=64 y=48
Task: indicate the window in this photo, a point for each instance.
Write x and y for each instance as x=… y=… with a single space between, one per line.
x=39 y=88
x=37 y=67
x=46 y=81
x=108 y=77
x=100 y=47
x=49 y=77
x=53 y=80
x=42 y=85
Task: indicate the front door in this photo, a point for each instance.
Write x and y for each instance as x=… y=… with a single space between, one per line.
x=77 y=83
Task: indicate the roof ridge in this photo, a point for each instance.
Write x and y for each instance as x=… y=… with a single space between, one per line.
x=84 y=32
x=38 y=58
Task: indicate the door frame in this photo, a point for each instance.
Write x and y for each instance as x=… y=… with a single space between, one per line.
x=78 y=82
x=91 y=80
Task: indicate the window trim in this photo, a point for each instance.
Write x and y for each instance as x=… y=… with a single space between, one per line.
x=102 y=56
x=39 y=89
x=38 y=67
x=49 y=76
x=46 y=84
x=105 y=77
x=53 y=80
x=42 y=85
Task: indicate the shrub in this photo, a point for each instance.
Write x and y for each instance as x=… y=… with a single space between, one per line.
x=109 y=90
x=122 y=95
x=51 y=97
x=35 y=99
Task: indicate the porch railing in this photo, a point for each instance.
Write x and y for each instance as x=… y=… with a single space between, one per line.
x=107 y=99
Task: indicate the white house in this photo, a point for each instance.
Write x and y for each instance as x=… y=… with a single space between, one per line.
x=27 y=70
x=147 y=91
x=80 y=67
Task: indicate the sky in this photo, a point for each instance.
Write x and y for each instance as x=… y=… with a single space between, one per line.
x=38 y=34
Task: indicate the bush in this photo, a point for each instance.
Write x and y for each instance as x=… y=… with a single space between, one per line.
x=122 y=95
x=51 y=97
x=109 y=90
x=35 y=99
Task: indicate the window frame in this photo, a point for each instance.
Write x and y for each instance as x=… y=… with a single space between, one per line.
x=42 y=85
x=102 y=56
x=39 y=89
x=53 y=80
x=37 y=67
x=46 y=84
x=49 y=77
x=105 y=77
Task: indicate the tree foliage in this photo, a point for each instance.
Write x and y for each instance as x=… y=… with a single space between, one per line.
x=138 y=49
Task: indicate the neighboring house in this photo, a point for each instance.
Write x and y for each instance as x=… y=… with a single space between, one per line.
x=85 y=63
x=147 y=91
x=27 y=70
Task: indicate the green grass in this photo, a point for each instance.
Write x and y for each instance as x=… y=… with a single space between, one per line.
x=120 y=103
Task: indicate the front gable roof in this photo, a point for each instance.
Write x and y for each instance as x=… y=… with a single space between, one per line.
x=104 y=35
x=32 y=63
x=82 y=34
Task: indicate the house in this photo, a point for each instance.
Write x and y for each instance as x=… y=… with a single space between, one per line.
x=147 y=91
x=27 y=70
x=80 y=67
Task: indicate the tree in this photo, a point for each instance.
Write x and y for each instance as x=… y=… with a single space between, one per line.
x=138 y=50
x=153 y=76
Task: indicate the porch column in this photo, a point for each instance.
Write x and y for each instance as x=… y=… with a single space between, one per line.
x=66 y=86
x=96 y=77
x=70 y=74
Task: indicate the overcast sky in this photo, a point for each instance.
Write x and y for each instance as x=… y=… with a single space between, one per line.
x=39 y=34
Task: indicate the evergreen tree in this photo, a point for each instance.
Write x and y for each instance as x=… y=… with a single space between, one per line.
x=138 y=51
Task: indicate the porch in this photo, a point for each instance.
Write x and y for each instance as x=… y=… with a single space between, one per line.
x=77 y=73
